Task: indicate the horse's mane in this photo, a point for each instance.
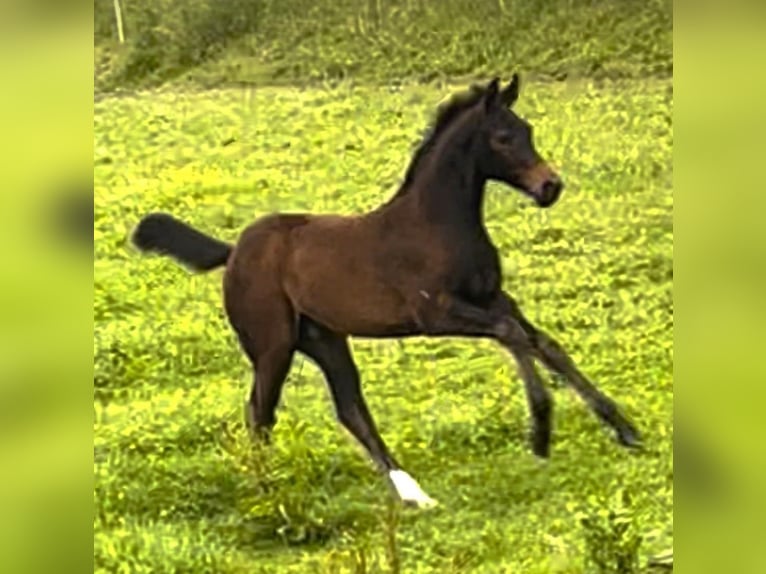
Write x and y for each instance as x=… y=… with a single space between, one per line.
x=445 y=115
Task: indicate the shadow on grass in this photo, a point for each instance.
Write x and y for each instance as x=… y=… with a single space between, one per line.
x=292 y=492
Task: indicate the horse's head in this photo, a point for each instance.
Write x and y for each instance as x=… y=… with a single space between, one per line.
x=508 y=153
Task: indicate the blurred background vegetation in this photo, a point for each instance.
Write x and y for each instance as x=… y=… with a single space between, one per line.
x=218 y=42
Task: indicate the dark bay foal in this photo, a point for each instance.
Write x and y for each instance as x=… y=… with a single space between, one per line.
x=422 y=264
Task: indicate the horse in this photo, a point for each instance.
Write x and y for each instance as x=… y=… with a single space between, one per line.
x=420 y=264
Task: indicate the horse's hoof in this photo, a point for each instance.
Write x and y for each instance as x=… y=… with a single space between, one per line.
x=541 y=447
x=409 y=490
x=421 y=504
x=629 y=437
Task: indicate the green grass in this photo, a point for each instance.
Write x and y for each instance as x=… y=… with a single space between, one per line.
x=179 y=488
x=214 y=43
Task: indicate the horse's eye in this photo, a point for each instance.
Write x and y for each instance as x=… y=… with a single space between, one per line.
x=505 y=138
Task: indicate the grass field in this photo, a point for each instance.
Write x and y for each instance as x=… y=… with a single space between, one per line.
x=177 y=487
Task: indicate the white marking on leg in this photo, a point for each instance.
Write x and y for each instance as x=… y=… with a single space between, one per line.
x=409 y=490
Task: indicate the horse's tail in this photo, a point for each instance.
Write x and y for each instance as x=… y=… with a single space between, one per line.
x=164 y=234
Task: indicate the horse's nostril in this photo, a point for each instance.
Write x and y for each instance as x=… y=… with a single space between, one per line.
x=552 y=187
x=550 y=191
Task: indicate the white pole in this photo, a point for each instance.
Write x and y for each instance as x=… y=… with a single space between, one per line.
x=118 y=16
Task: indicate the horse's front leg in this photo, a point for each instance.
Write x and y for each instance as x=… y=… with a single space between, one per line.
x=450 y=316
x=555 y=358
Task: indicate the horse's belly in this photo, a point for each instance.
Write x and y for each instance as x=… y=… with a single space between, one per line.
x=354 y=310
x=346 y=296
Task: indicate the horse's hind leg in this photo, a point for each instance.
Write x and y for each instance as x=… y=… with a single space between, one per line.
x=270 y=374
x=332 y=354
x=268 y=340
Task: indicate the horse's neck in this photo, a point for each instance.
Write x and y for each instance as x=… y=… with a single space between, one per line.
x=447 y=188
x=450 y=189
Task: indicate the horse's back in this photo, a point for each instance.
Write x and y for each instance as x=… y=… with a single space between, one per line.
x=269 y=246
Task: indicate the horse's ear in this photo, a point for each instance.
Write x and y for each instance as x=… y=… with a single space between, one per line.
x=510 y=93
x=490 y=95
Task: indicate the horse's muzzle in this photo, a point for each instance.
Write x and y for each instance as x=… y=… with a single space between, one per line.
x=549 y=192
